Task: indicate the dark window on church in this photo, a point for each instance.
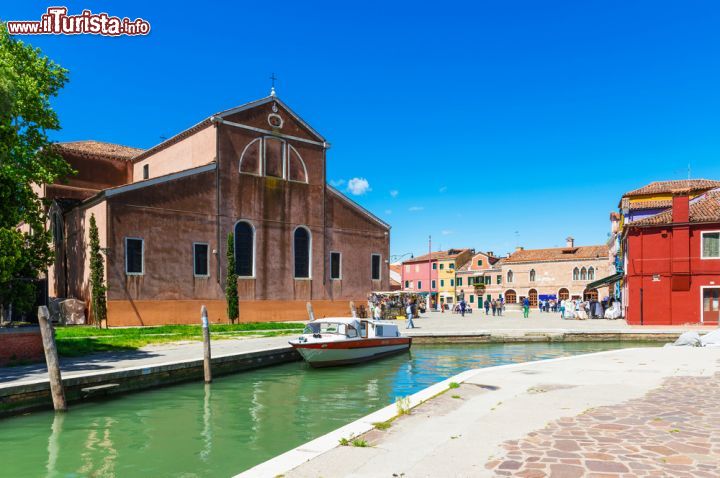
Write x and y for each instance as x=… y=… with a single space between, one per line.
x=244 y=249
x=301 y=249
x=134 y=250
x=200 y=259
x=335 y=265
x=296 y=167
x=146 y=171
x=375 y=267
x=274 y=157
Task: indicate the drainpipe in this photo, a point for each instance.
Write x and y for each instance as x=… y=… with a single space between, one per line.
x=641 y=306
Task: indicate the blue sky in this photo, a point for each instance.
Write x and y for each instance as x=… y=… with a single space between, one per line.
x=484 y=124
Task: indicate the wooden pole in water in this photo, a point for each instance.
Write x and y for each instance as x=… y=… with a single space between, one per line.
x=206 y=344
x=51 y=358
x=310 y=311
x=353 y=310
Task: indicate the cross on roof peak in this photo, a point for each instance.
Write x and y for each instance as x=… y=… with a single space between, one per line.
x=273 y=78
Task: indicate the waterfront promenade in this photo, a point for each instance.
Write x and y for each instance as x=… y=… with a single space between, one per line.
x=631 y=412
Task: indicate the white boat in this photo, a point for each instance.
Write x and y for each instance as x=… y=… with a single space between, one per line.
x=340 y=341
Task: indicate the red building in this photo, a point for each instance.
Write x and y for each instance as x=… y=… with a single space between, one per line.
x=672 y=263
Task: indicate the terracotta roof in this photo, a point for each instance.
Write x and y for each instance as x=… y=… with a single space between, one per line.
x=98 y=149
x=437 y=255
x=705 y=208
x=558 y=254
x=656 y=204
x=674 y=186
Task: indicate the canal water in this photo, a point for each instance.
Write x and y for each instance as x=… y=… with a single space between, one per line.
x=218 y=430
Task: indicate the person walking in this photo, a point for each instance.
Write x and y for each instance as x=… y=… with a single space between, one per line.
x=562 y=309
x=526 y=308
x=463 y=306
x=493 y=304
x=487 y=307
x=500 y=306
x=409 y=314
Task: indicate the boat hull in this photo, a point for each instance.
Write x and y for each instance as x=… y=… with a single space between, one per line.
x=331 y=354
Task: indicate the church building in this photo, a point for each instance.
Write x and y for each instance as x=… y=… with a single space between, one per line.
x=164 y=215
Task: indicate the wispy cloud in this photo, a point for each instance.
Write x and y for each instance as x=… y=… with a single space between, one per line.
x=415 y=208
x=394 y=193
x=447 y=232
x=358 y=186
x=443 y=189
x=337 y=183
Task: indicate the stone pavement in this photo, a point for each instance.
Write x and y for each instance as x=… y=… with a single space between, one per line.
x=673 y=430
x=611 y=414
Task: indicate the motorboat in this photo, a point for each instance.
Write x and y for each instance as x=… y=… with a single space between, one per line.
x=339 y=341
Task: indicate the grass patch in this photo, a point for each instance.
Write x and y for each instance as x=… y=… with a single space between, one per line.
x=73 y=341
x=343 y=442
x=359 y=443
x=402 y=404
x=456 y=396
x=382 y=425
x=454 y=385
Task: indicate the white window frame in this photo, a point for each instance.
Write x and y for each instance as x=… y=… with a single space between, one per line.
x=340 y=268
x=702 y=238
x=702 y=293
x=261 y=159
x=195 y=274
x=142 y=256
x=302 y=161
x=254 y=244
x=310 y=255
x=379 y=268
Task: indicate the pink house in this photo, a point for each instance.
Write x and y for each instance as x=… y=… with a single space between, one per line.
x=420 y=274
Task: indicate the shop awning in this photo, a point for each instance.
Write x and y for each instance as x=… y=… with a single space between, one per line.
x=607 y=280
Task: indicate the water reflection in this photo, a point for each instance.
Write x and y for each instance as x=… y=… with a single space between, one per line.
x=237 y=421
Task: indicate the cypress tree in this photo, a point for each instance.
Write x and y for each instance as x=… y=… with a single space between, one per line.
x=98 y=290
x=231 y=293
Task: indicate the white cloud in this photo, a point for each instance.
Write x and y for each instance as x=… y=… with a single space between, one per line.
x=394 y=193
x=443 y=189
x=447 y=232
x=337 y=183
x=358 y=186
x=415 y=208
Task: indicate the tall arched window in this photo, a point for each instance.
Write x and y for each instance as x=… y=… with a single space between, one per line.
x=302 y=243
x=250 y=158
x=509 y=276
x=244 y=249
x=532 y=275
x=296 y=166
x=583 y=274
x=591 y=273
x=576 y=274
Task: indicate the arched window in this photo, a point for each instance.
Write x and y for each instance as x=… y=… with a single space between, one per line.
x=510 y=297
x=532 y=275
x=591 y=273
x=509 y=276
x=576 y=274
x=274 y=157
x=583 y=274
x=563 y=294
x=250 y=158
x=244 y=249
x=296 y=166
x=302 y=243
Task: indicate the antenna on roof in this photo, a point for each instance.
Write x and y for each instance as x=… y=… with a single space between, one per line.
x=272 y=88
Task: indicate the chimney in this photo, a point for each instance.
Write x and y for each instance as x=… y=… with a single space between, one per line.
x=681 y=208
x=519 y=248
x=507 y=254
x=490 y=254
x=569 y=241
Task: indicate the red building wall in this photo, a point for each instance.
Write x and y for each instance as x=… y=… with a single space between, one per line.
x=666 y=273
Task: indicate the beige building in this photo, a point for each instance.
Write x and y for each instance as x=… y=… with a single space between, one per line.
x=563 y=272
x=480 y=278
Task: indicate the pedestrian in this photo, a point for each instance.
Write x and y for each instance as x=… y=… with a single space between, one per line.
x=526 y=308
x=500 y=306
x=442 y=306
x=409 y=314
x=377 y=312
x=562 y=309
x=487 y=307
x=494 y=306
x=463 y=305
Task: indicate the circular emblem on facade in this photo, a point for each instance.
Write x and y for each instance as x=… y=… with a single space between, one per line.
x=275 y=120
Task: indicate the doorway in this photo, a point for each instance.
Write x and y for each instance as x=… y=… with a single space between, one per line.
x=710 y=305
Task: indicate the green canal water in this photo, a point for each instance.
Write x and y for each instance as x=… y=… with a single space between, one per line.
x=218 y=430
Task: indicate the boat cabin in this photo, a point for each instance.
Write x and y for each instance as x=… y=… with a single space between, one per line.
x=352 y=328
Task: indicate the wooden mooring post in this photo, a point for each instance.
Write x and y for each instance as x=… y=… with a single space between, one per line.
x=51 y=358
x=311 y=313
x=353 y=310
x=206 y=344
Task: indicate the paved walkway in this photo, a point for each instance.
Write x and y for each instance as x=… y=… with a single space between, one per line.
x=145 y=356
x=612 y=414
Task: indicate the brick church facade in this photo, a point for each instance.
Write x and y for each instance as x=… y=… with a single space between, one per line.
x=164 y=215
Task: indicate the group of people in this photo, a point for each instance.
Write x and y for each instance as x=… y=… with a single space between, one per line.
x=496 y=305
x=586 y=309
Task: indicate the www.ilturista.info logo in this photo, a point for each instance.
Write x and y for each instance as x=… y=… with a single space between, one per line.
x=57 y=22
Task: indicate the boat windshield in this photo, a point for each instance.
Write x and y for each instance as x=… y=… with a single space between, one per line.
x=325 y=328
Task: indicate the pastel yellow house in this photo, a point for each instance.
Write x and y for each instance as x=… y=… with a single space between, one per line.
x=448 y=264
